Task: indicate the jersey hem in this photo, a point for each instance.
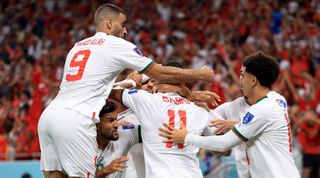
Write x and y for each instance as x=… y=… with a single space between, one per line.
x=147 y=68
x=243 y=138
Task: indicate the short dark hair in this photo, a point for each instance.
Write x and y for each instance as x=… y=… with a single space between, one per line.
x=265 y=68
x=107 y=108
x=104 y=9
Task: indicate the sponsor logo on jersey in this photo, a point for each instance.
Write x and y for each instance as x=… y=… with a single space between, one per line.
x=247 y=118
x=132 y=92
x=282 y=103
x=138 y=51
x=128 y=127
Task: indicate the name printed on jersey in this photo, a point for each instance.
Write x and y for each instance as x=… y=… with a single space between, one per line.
x=132 y=92
x=176 y=101
x=95 y=41
x=247 y=118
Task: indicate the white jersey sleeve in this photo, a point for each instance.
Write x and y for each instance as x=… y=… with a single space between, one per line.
x=127 y=55
x=230 y=110
x=254 y=122
x=220 y=112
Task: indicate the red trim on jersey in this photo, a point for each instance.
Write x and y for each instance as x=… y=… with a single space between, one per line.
x=171 y=123
x=95 y=161
x=149 y=68
x=93 y=115
x=88 y=175
x=289 y=133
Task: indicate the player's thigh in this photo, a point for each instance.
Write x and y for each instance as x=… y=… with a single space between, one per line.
x=49 y=155
x=75 y=137
x=54 y=174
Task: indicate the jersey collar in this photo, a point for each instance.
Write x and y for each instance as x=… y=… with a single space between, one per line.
x=103 y=146
x=260 y=99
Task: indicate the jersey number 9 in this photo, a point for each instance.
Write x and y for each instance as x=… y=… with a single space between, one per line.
x=79 y=62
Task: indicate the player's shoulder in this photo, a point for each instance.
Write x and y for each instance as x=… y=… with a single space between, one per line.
x=238 y=102
x=265 y=106
x=276 y=96
x=279 y=99
x=113 y=40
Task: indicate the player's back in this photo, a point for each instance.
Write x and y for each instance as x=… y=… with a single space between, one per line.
x=90 y=70
x=167 y=159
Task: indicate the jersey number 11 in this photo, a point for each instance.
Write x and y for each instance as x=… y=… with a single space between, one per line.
x=183 y=119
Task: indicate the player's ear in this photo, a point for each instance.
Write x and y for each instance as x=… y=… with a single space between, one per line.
x=108 y=23
x=254 y=80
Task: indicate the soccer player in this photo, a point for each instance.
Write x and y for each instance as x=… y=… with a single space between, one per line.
x=136 y=163
x=264 y=128
x=113 y=144
x=228 y=114
x=111 y=147
x=66 y=128
x=166 y=160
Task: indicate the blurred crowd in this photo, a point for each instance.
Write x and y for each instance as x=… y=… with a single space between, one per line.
x=35 y=37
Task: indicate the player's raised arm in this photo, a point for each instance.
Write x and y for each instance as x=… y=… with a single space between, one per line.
x=167 y=74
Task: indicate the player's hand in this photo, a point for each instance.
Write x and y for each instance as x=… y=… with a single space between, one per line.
x=135 y=76
x=222 y=125
x=116 y=165
x=206 y=96
x=172 y=134
x=203 y=105
x=207 y=74
x=125 y=84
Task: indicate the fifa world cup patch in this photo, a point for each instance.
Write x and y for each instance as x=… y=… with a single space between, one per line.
x=247 y=118
x=138 y=51
x=132 y=92
x=282 y=103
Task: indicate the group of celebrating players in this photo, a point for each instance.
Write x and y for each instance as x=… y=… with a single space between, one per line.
x=82 y=134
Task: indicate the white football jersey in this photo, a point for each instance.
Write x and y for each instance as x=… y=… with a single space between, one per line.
x=128 y=136
x=235 y=110
x=90 y=70
x=167 y=159
x=266 y=130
